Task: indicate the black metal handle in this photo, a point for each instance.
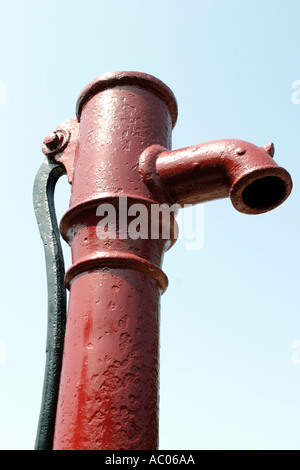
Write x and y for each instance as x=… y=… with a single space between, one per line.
x=43 y=200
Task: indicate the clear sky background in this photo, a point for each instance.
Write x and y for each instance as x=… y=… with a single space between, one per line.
x=230 y=320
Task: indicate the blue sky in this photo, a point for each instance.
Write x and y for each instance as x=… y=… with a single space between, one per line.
x=231 y=313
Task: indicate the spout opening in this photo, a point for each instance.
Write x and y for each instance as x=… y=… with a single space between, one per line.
x=261 y=191
x=264 y=193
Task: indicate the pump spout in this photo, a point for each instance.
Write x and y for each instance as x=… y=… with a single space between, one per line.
x=224 y=168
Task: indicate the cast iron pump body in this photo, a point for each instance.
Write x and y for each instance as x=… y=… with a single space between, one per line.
x=102 y=392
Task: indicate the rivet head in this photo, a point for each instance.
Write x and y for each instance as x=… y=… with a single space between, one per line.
x=55 y=142
x=240 y=151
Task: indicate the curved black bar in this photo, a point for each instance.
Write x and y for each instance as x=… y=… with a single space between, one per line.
x=43 y=200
